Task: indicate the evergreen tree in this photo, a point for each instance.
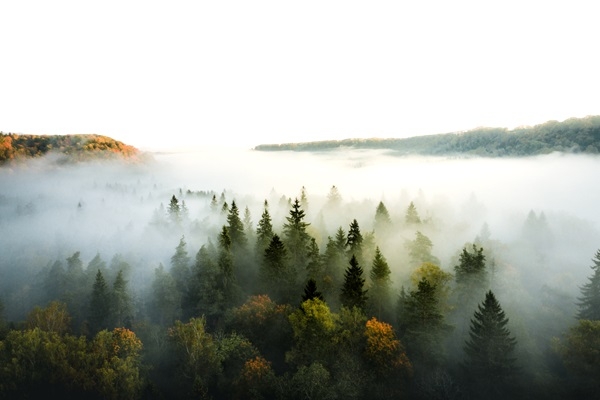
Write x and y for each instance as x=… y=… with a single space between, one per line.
x=334 y=199
x=278 y=281
x=122 y=308
x=382 y=218
x=313 y=268
x=236 y=227
x=295 y=237
x=354 y=240
x=412 y=216
x=214 y=205
x=490 y=347
x=165 y=305
x=248 y=231
x=353 y=292
x=227 y=279
x=311 y=292
x=264 y=231
x=380 y=290
x=180 y=270
x=303 y=199
x=205 y=297
x=174 y=210
x=419 y=250
x=99 y=304
x=589 y=302
x=423 y=326
x=471 y=267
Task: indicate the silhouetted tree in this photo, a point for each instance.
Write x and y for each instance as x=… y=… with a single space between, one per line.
x=100 y=303
x=589 y=302
x=264 y=231
x=354 y=240
x=311 y=292
x=353 y=292
x=236 y=227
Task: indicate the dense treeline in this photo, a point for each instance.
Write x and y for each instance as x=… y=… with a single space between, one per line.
x=575 y=135
x=287 y=308
x=71 y=147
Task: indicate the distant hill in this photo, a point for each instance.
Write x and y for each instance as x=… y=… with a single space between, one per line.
x=575 y=135
x=69 y=148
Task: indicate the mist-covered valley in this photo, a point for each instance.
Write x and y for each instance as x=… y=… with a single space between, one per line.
x=168 y=227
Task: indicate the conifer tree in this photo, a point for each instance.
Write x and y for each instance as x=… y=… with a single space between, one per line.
x=174 y=210
x=99 y=304
x=180 y=270
x=311 y=292
x=380 y=278
x=471 y=267
x=165 y=305
x=589 y=302
x=412 y=216
x=276 y=276
x=419 y=250
x=303 y=199
x=382 y=218
x=313 y=267
x=214 y=205
x=296 y=237
x=227 y=278
x=353 y=292
x=122 y=308
x=354 y=240
x=264 y=231
x=236 y=227
x=490 y=346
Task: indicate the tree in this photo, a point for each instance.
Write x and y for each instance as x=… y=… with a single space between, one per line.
x=278 y=278
x=311 y=292
x=227 y=281
x=334 y=199
x=381 y=282
x=180 y=270
x=53 y=318
x=437 y=278
x=174 y=210
x=99 y=304
x=313 y=267
x=264 y=231
x=296 y=238
x=382 y=218
x=419 y=250
x=353 y=292
x=303 y=199
x=412 y=216
x=354 y=240
x=248 y=231
x=423 y=326
x=589 y=302
x=236 y=227
x=165 y=305
x=490 y=346
x=122 y=308
x=470 y=276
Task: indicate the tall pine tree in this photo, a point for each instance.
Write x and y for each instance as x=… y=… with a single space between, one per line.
x=353 y=292
x=589 y=302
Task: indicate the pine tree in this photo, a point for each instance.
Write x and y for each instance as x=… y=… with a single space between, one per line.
x=382 y=218
x=311 y=292
x=303 y=199
x=354 y=240
x=174 y=210
x=214 y=205
x=471 y=267
x=180 y=270
x=227 y=279
x=236 y=227
x=313 y=267
x=122 y=309
x=490 y=347
x=419 y=250
x=99 y=304
x=412 y=216
x=295 y=237
x=380 y=277
x=264 y=231
x=276 y=274
x=353 y=292
x=589 y=302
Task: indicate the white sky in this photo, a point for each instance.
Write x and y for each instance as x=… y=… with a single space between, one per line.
x=183 y=73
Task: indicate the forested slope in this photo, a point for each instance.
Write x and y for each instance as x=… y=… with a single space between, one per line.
x=71 y=148
x=575 y=135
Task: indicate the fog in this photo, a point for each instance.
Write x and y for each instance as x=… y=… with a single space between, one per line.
x=50 y=211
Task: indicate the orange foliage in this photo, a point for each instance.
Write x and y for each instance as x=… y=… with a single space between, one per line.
x=384 y=349
x=255 y=371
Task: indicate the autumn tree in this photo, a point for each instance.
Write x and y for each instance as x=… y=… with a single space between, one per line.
x=53 y=318
x=589 y=302
x=353 y=293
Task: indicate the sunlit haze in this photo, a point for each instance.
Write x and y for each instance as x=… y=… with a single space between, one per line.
x=189 y=74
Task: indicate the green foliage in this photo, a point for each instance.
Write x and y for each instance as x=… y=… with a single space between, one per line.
x=412 y=216
x=353 y=292
x=589 y=302
x=100 y=304
x=264 y=230
x=296 y=238
x=236 y=227
x=381 y=284
x=354 y=240
x=383 y=221
x=419 y=250
x=490 y=347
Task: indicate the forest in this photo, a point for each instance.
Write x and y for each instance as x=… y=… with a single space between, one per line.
x=574 y=135
x=118 y=282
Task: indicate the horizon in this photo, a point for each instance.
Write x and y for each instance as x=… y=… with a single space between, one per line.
x=263 y=73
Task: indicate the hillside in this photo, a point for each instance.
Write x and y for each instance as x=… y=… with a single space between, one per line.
x=70 y=148
x=575 y=135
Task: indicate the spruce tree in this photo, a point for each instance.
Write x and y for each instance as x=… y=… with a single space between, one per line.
x=296 y=238
x=311 y=292
x=99 y=304
x=180 y=270
x=382 y=218
x=354 y=240
x=122 y=308
x=353 y=292
x=380 y=277
x=490 y=346
x=174 y=210
x=264 y=231
x=236 y=227
x=589 y=302
x=412 y=216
